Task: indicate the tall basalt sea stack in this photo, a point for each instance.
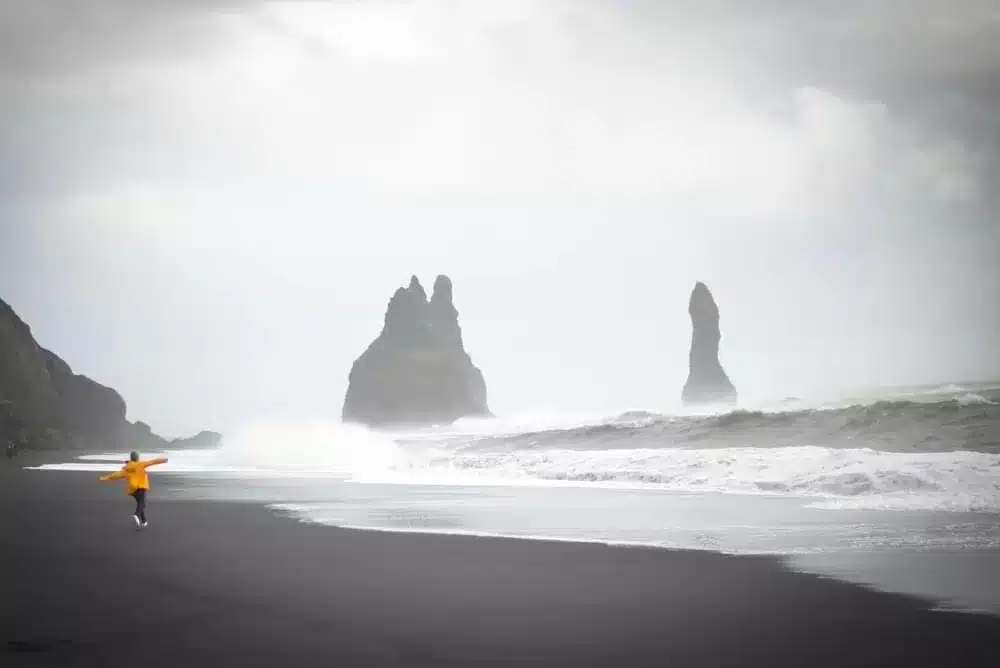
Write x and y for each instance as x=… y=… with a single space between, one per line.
x=707 y=382
x=417 y=371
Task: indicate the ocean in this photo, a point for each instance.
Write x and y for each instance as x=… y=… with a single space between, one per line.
x=894 y=489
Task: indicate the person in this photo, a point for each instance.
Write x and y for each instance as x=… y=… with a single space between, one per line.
x=134 y=471
x=11 y=449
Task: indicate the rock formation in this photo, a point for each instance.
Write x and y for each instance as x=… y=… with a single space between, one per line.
x=203 y=439
x=417 y=371
x=707 y=382
x=43 y=403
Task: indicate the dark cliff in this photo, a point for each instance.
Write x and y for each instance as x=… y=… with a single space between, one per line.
x=43 y=403
x=417 y=371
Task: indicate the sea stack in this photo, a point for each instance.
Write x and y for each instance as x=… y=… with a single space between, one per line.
x=707 y=382
x=417 y=371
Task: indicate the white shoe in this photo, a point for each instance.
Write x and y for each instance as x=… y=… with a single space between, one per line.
x=145 y=524
x=138 y=524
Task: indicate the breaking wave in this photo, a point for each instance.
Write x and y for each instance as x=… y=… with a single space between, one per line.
x=924 y=451
x=966 y=422
x=867 y=478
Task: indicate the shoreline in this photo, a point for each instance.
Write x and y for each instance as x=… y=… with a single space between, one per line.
x=236 y=582
x=962 y=581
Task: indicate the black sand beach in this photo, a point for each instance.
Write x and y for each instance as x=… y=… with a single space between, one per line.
x=235 y=585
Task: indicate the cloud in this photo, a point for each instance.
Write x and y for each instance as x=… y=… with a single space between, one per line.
x=434 y=99
x=851 y=149
x=54 y=38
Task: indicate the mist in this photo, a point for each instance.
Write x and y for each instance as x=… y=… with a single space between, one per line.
x=208 y=206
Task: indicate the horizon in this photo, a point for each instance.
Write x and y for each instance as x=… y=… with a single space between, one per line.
x=208 y=206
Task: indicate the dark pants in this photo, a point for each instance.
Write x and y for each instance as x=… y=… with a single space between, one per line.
x=140 y=504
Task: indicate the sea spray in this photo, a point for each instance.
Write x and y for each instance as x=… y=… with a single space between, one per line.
x=315 y=447
x=919 y=451
x=275 y=448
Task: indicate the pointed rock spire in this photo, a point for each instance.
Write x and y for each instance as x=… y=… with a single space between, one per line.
x=444 y=315
x=443 y=291
x=707 y=382
x=417 y=290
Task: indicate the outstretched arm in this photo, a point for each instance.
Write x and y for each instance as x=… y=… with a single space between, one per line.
x=153 y=462
x=117 y=475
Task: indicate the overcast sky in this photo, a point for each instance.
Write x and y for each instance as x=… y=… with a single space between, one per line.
x=207 y=205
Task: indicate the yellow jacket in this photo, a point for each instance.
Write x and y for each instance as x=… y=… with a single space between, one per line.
x=136 y=474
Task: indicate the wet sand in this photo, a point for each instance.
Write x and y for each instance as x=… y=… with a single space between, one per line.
x=234 y=584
